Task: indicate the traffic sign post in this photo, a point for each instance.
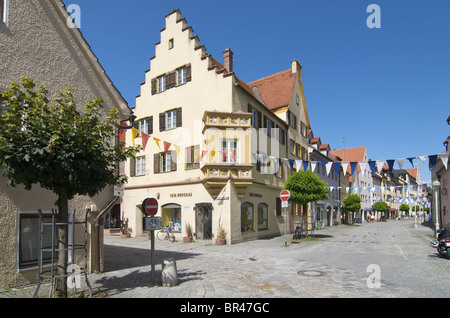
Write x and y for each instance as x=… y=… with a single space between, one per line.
x=285 y=195
x=150 y=208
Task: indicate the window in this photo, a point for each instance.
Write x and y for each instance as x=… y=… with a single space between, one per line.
x=303 y=129
x=256 y=117
x=28 y=239
x=140 y=166
x=193 y=157
x=267 y=126
x=229 y=150
x=171 y=44
x=296 y=99
x=170 y=119
x=146 y=126
x=292 y=147
x=181 y=76
x=292 y=120
x=263 y=219
x=161 y=83
x=165 y=162
x=246 y=217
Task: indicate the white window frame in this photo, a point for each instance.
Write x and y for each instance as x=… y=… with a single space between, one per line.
x=171 y=119
x=227 y=146
x=161 y=83
x=143 y=126
x=181 y=75
x=165 y=164
x=140 y=166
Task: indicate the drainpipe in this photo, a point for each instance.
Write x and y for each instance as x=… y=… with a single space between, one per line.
x=96 y=239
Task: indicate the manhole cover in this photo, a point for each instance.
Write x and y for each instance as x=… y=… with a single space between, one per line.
x=312 y=273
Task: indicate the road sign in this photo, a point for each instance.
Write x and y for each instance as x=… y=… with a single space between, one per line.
x=152 y=223
x=150 y=206
x=118 y=191
x=285 y=204
x=285 y=195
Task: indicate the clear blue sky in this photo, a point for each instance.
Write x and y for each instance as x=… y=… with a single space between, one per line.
x=387 y=89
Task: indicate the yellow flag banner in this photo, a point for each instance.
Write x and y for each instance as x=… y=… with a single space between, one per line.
x=134 y=134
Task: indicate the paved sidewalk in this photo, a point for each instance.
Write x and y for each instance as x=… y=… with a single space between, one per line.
x=255 y=269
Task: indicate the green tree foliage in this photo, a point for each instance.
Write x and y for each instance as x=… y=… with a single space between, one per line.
x=381 y=206
x=52 y=144
x=352 y=203
x=404 y=207
x=306 y=187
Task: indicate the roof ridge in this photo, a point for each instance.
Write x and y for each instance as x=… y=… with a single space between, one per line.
x=268 y=76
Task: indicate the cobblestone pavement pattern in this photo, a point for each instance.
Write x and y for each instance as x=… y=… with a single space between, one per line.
x=336 y=264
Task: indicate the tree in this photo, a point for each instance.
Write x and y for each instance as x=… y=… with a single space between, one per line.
x=404 y=207
x=381 y=206
x=63 y=150
x=352 y=203
x=306 y=187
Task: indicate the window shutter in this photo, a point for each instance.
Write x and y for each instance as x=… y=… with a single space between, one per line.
x=150 y=125
x=154 y=86
x=132 y=167
x=171 y=79
x=188 y=73
x=162 y=121
x=173 y=161
x=179 y=117
x=156 y=163
x=259 y=120
x=278 y=206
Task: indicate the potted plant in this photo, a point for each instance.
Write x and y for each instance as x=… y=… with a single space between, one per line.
x=189 y=235
x=221 y=235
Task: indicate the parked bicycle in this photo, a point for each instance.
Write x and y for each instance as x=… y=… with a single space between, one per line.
x=166 y=234
x=298 y=232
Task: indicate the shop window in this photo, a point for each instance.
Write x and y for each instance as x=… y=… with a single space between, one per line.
x=246 y=217
x=263 y=219
x=171 y=216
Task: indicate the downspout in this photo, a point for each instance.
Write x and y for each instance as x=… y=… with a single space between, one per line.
x=96 y=239
x=96 y=255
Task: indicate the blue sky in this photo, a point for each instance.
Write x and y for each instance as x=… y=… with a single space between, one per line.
x=387 y=89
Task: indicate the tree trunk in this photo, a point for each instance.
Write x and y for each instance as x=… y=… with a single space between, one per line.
x=63 y=216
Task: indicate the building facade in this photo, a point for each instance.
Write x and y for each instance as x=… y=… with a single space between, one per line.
x=38 y=40
x=212 y=143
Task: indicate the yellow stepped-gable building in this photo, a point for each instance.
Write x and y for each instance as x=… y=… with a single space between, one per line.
x=212 y=142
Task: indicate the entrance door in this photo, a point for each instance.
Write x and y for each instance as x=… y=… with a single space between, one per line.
x=203 y=220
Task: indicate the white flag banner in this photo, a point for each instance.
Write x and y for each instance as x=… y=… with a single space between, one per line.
x=400 y=162
x=313 y=165
x=422 y=158
x=346 y=189
x=298 y=165
x=344 y=166
x=444 y=158
x=329 y=165
x=363 y=166
x=380 y=164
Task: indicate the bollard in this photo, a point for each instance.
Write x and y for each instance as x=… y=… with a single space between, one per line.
x=169 y=273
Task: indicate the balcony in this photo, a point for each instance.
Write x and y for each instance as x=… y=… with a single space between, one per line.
x=217 y=176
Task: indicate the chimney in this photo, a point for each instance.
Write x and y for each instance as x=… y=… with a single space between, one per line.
x=228 y=60
x=296 y=68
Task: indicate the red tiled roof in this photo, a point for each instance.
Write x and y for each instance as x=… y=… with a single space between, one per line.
x=324 y=146
x=276 y=90
x=350 y=155
x=412 y=172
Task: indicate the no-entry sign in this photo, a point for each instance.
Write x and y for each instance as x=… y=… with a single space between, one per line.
x=150 y=206
x=285 y=195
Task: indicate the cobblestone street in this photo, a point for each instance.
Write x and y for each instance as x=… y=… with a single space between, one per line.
x=335 y=264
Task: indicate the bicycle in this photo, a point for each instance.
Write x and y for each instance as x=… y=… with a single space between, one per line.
x=298 y=232
x=166 y=234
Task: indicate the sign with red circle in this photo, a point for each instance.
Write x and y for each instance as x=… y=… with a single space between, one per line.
x=285 y=195
x=150 y=206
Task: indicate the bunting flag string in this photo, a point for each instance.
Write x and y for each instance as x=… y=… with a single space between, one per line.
x=297 y=165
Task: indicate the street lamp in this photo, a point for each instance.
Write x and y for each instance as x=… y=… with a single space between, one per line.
x=436 y=187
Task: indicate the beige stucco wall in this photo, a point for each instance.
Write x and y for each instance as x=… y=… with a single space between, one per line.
x=37 y=43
